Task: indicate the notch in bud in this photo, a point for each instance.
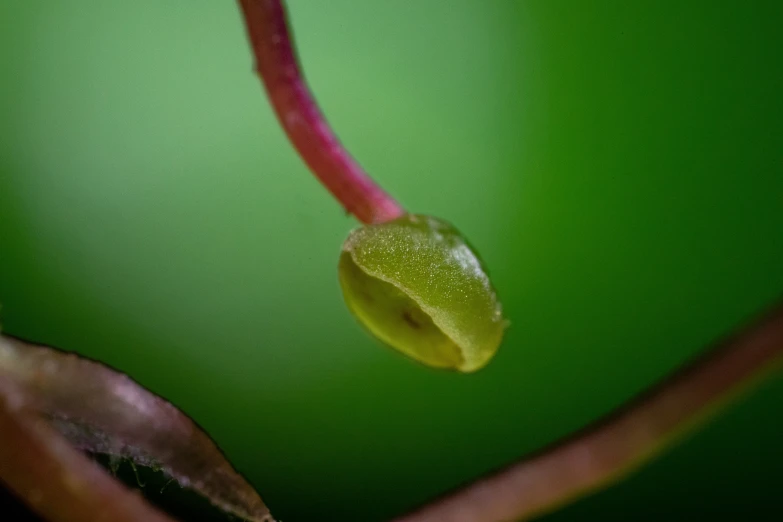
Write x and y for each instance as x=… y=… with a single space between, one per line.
x=417 y=285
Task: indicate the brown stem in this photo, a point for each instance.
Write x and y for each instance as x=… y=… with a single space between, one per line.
x=613 y=447
x=298 y=113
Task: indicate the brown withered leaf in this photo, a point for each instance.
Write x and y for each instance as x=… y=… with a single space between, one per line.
x=100 y=410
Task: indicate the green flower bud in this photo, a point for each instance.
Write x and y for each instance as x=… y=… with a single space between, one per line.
x=418 y=286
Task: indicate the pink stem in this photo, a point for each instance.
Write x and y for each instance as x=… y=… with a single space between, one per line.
x=303 y=122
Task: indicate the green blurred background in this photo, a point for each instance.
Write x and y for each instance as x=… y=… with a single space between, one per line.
x=619 y=165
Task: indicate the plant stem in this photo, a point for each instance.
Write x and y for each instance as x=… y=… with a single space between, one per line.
x=612 y=447
x=298 y=113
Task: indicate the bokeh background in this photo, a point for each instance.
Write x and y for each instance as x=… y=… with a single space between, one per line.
x=619 y=165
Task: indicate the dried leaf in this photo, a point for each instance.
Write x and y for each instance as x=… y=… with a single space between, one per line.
x=54 y=479
x=103 y=411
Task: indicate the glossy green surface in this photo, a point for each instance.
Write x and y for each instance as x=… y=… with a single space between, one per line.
x=418 y=286
x=617 y=165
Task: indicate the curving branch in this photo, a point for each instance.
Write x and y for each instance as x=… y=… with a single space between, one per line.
x=611 y=448
x=298 y=113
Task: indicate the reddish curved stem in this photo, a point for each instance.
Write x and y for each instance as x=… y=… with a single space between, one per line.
x=277 y=64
